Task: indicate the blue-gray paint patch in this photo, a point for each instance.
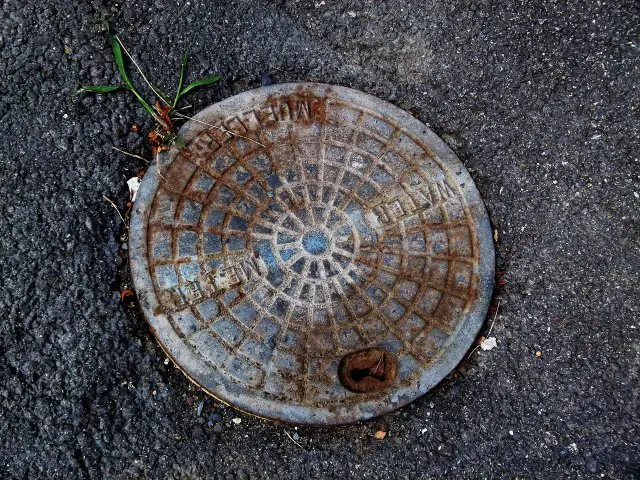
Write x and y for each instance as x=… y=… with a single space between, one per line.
x=318 y=221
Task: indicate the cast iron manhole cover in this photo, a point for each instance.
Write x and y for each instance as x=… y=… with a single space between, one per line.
x=314 y=255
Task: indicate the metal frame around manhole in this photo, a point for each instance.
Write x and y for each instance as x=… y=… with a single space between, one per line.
x=262 y=321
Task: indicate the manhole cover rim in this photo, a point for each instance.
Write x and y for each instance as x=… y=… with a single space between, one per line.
x=195 y=368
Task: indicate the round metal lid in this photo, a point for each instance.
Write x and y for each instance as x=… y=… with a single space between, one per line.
x=313 y=255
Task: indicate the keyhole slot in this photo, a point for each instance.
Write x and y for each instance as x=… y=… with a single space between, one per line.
x=359 y=374
x=369 y=370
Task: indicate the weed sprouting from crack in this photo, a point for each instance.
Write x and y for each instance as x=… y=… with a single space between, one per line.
x=165 y=111
x=163 y=135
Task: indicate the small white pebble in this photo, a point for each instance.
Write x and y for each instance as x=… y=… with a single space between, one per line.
x=351 y=13
x=636 y=194
x=65 y=116
x=166 y=361
x=510 y=432
x=488 y=343
x=236 y=420
x=423 y=431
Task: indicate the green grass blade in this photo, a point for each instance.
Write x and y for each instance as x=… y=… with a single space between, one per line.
x=200 y=83
x=150 y=110
x=99 y=89
x=145 y=105
x=117 y=55
x=183 y=71
x=179 y=141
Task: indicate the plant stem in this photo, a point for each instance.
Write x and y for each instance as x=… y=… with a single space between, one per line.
x=140 y=70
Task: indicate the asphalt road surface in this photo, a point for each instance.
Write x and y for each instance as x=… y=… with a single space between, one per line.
x=540 y=101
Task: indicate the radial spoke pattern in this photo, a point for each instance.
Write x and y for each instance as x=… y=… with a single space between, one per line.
x=275 y=257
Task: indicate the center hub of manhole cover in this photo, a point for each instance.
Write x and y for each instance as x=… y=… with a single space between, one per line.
x=313 y=254
x=315 y=242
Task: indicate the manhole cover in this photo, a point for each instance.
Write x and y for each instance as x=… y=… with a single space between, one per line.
x=314 y=255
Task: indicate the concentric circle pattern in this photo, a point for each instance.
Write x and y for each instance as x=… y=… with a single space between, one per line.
x=301 y=223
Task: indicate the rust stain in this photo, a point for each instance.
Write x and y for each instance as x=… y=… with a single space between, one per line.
x=369 y=370
x=224 y=194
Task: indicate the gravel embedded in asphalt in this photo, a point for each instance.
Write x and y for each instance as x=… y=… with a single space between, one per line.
x=540 y=101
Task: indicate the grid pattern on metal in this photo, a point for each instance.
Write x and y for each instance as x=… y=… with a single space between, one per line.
x=302 y=228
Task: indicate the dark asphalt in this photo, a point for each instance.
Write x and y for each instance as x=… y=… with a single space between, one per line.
x=539 y=99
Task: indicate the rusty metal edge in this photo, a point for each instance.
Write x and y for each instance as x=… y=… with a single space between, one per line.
x=195 y=368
